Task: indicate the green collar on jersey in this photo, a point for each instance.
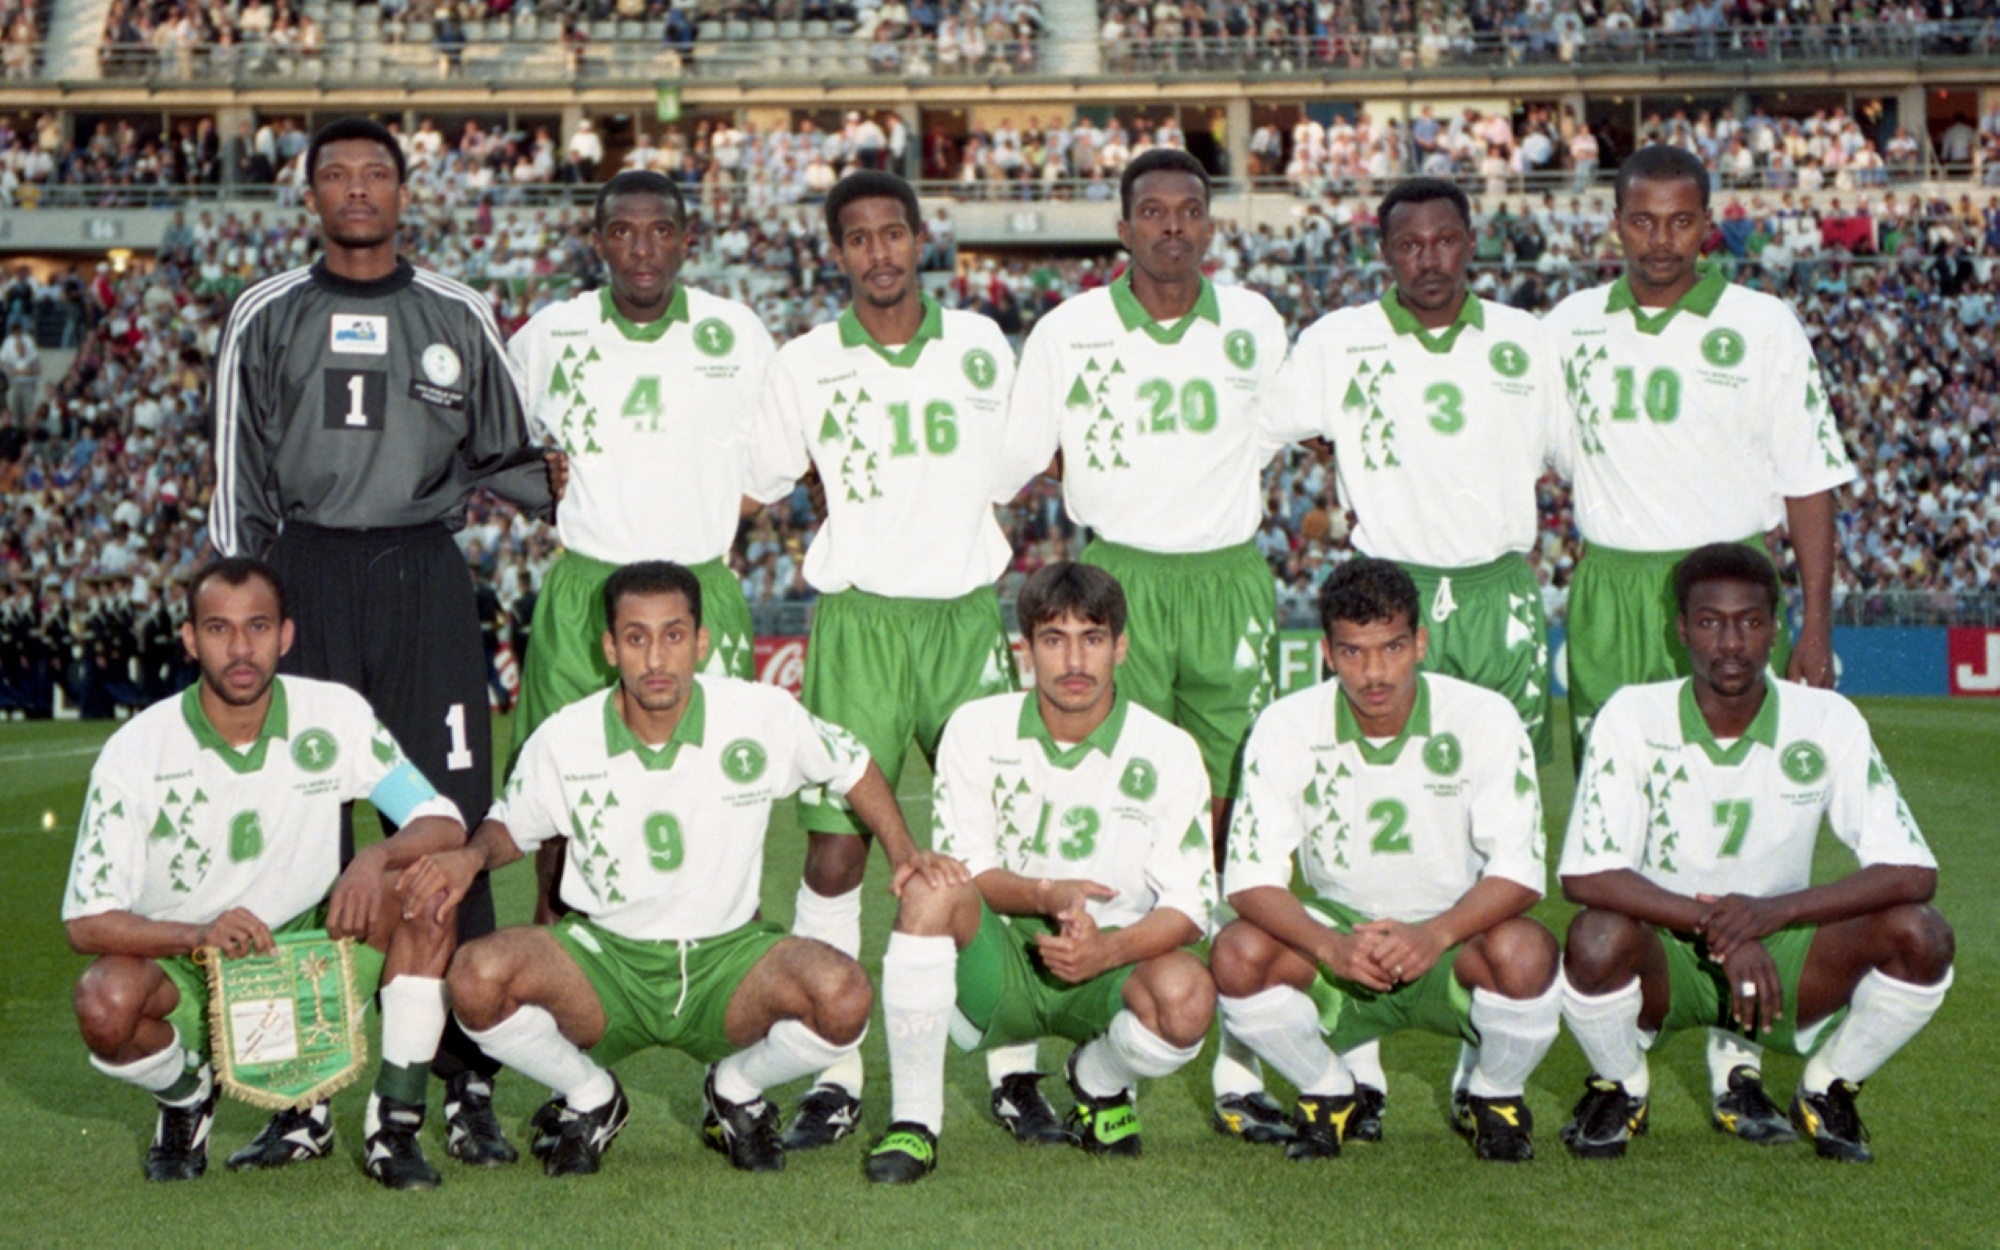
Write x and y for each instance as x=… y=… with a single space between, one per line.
x=854 y=334
x=1347 y=729
x=1437 y=342
x=1701 y=299
x=1135 y=317
x=652 y=331
x=1695 y=730
x=277 y=724
x=1104 y=738
x=618 y=736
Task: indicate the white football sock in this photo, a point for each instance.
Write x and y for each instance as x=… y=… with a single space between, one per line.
x=1127 y=1052
x=837 y=922
x=919 y=987
x=155 y=1073
x=1468 y=1059
x=1606 y=1027
x=1514 y=1034
x=413 y=1015
x=1005 y=1061
x=1728 y=1051
x=1282 y=1026
x=1364 y=1064
x=1237 y=1071
x=530 y=1043
x=786 y=1053
x=1882 y=1017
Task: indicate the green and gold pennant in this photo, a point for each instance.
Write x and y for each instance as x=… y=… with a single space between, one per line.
x=286 y=1028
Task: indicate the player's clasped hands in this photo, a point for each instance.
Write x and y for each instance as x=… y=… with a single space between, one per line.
x=1734 y=920
x=1076 y=951
x=1756 y=997
x=236 y=933
x=938 y=871
x=1405 y=952
x=437 y=882
x=357 y=897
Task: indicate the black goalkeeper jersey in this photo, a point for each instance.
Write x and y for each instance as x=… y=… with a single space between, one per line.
x=364 y=405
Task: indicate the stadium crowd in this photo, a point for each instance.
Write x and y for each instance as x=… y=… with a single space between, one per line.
x=103 y=467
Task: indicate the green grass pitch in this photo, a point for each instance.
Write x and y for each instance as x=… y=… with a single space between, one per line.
x=71 y=1141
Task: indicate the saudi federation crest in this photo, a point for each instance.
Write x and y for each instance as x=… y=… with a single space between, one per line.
x=743 y=761
x=442 y=365
x=314 y=751
x=1723 y=348
x=1241 y=348
x=1803 y=762
x=980 y=369
x=286 y=1029
x=1509 y=360
x=1443 y=755
x=1141 y=779
x=713 y=337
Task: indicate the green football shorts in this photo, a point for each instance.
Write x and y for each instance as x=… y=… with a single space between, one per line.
x=190 y=1015
x=1351 y=1014
x=565 y=658
x=1622 y=629
x=664 y=993
x=1010 y=996
x=1700 y=993
x=889 y=670
x=1204 y=638
x=1486 y=627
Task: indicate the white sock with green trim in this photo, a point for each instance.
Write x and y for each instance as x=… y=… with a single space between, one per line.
x=155 y=1073
x=530 y=1042
x=413 y=1016
x=1882 y=1017
x=1127 y=1052
x=1727 y=1052
x=1282 y=1026
x=919 y=988
x=1514 y=1034
x=1005 y=1061
x=1606 y=1028
x=835 y=920
x=786 y=1053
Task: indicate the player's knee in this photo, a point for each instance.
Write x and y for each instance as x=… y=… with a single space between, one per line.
x=926 y=910
x=477 y=980
x=842 y=998
x=1184 y=1002
x=1522 y=955
x=1599 y=952
x=835 y=863
x=1922 y=940
x=108 y=1007
x=1239 y=958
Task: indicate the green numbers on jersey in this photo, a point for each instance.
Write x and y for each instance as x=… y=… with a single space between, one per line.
x=1392 y=837
x=643 y=403
x=1195 y=411
x=1445 y=407
x=940 y=429
x=246 y=837
x=1733 y=815
x=1080 y=826
x=1662 y=395
x=664 y=850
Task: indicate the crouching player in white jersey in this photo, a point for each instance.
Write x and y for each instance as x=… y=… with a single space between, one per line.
x=213 y=821
x=1084 y=818
x=1691 y=845
x=663 y=785
x=1411 y=802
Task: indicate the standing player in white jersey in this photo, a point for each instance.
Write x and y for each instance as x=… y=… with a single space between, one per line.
x=1443 y=410
x=1691 y=848
x=213 y=822
x=1699 y=416
x=1149 y=389
x=1410 y=801
x=902 y=408
x=664 y=784
x=1084 y=818
x=643 y=372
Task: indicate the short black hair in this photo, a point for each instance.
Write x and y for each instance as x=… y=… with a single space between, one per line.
x=871 y=184
x=1152 y=161
x=640 y=182
x=651 y=577
x=1069 y=589
x=1423 y=191
x=237 y=571
x=356 y=128
x=1365 y=590
x=1660 y=162
x=1726 y=562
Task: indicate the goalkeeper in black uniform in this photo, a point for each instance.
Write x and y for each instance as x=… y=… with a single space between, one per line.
x=358 y=403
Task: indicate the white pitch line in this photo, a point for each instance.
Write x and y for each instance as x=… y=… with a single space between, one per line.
x=63 y=754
